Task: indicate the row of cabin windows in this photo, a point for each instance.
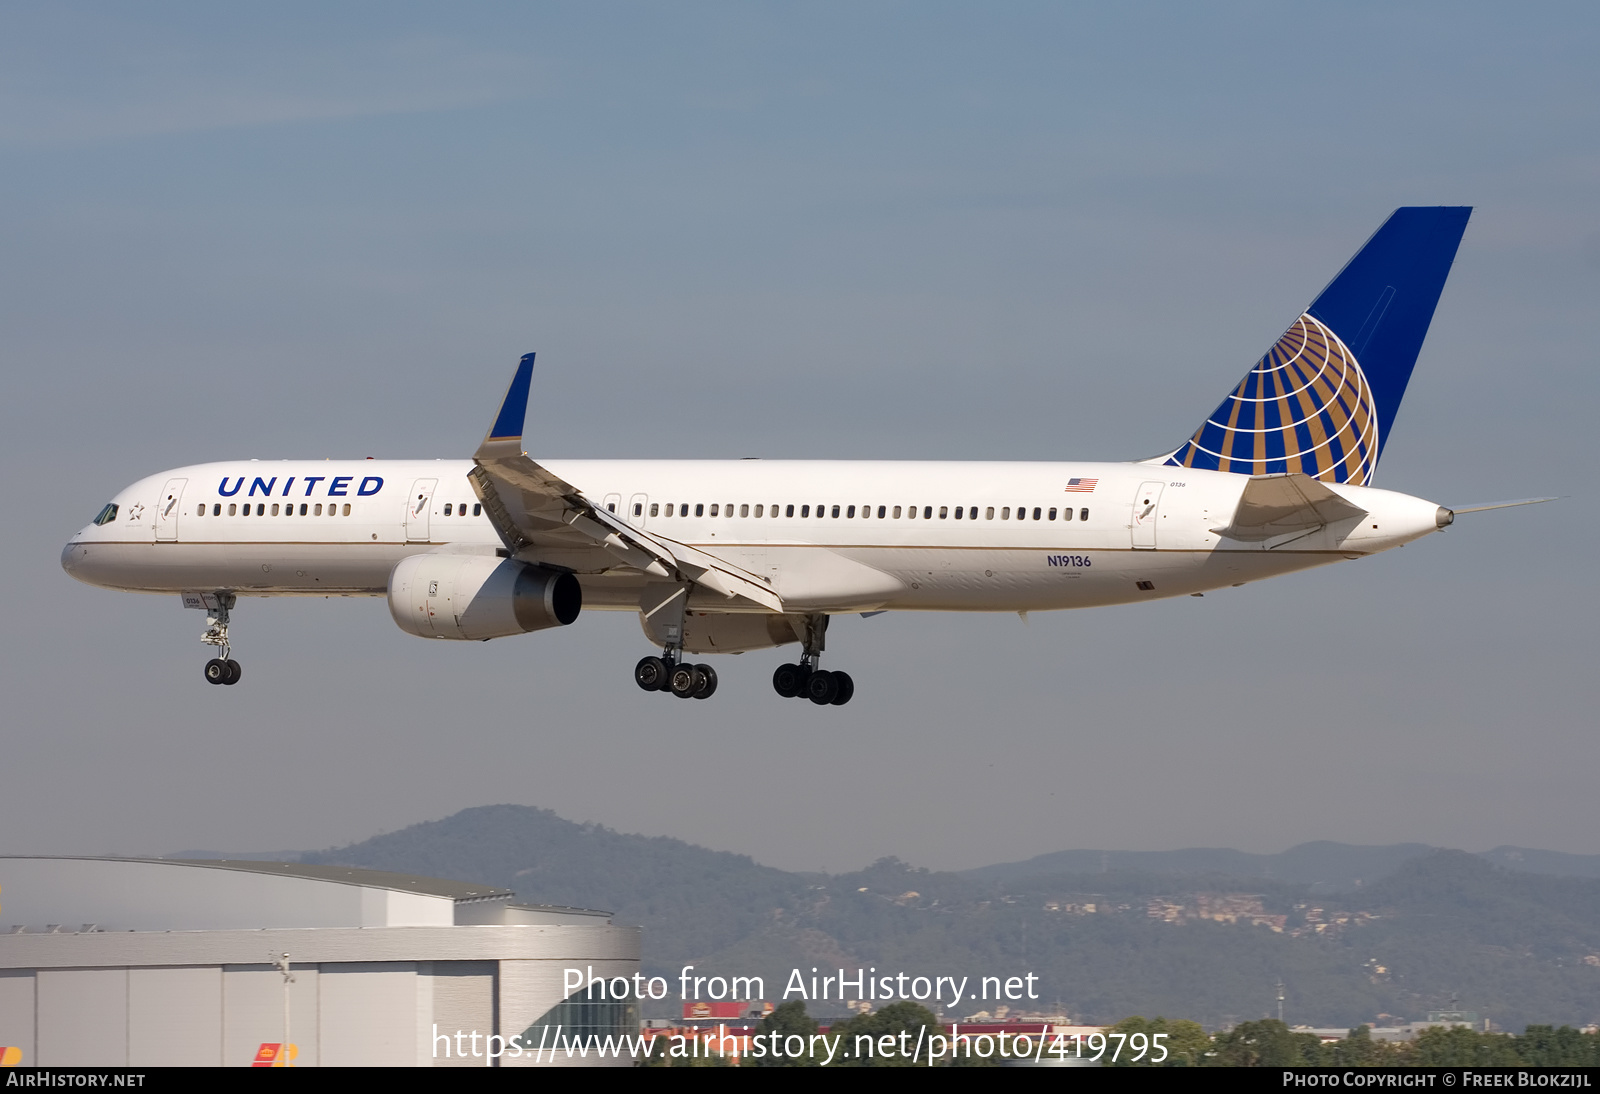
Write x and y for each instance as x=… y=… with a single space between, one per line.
x=885 y=512
x=306 y=509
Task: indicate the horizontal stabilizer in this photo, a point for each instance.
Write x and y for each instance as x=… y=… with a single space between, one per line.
x=1280 y=505
x=1459 y=509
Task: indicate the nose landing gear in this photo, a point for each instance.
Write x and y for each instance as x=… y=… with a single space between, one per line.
x=218 y=670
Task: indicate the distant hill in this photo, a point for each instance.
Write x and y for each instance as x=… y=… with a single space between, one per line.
x=1324 y=866
x=1205 y=934
x=692 y=900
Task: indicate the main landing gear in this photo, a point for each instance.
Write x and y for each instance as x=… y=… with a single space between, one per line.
x=219 y=670
x=806 y=680
x=670 y=672
x=667 y=673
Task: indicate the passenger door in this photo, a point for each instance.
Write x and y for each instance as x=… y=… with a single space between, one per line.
x=419 y=507
x=168 y=510
x=1146 y=511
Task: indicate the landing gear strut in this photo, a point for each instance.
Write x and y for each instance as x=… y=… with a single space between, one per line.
x=806 y=680
x=219 y=670
x=670 y=672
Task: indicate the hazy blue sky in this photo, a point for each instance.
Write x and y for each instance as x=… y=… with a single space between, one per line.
x=1021 y=231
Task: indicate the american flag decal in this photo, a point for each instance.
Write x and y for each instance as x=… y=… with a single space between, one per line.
x=1082 y=486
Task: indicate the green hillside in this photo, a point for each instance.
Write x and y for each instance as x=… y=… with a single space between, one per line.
x=1105 y=943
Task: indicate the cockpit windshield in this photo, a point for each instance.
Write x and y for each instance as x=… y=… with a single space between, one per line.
x=107 y=515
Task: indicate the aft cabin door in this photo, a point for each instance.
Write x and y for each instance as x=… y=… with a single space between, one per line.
x=419 y=507
x=168 y=510
x=1146 y=511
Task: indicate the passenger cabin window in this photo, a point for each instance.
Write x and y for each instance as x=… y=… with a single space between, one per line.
x=700 y=511
x=216 y=510
x=760 y=510
x=896 y=512
x=715 y=509
x=788 y=511
x=638 y=508
x=232 y=509
x=1083 y=514
x=611 y=507
x=347 y=509
x=654 y=508
x=316 y=510
x=1052 y=514
x=1066 y=514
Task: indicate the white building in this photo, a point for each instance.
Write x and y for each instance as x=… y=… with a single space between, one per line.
x=161 y=962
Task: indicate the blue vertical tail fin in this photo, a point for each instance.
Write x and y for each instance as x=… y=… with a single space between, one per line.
x=1322 y=399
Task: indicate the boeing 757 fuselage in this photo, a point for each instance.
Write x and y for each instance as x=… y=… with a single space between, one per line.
x=729 y=556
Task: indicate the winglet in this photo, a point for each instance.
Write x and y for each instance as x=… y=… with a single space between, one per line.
x=505 y=436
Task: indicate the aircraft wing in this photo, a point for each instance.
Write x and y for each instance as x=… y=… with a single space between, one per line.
x=530 y=508
x=1278 y=505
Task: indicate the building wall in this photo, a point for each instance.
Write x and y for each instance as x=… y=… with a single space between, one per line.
x=17 y=1007
x=82 y=1017
x=252 y=1012
x=175 y=998
x=175 y=1017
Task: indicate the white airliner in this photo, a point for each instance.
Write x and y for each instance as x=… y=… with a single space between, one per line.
x=724 y=557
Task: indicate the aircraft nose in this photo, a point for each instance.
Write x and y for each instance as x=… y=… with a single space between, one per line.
x=72 y=556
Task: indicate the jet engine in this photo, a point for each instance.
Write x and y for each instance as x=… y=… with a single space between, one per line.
x=477 y=597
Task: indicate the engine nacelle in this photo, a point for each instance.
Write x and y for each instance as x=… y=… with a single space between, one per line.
x=474 y=597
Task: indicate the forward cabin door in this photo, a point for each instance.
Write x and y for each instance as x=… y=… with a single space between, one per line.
x=168 y=509
x=1146 y=511
x=419 y=507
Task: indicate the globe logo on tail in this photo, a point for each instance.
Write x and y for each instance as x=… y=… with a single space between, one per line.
x=1306 y=406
